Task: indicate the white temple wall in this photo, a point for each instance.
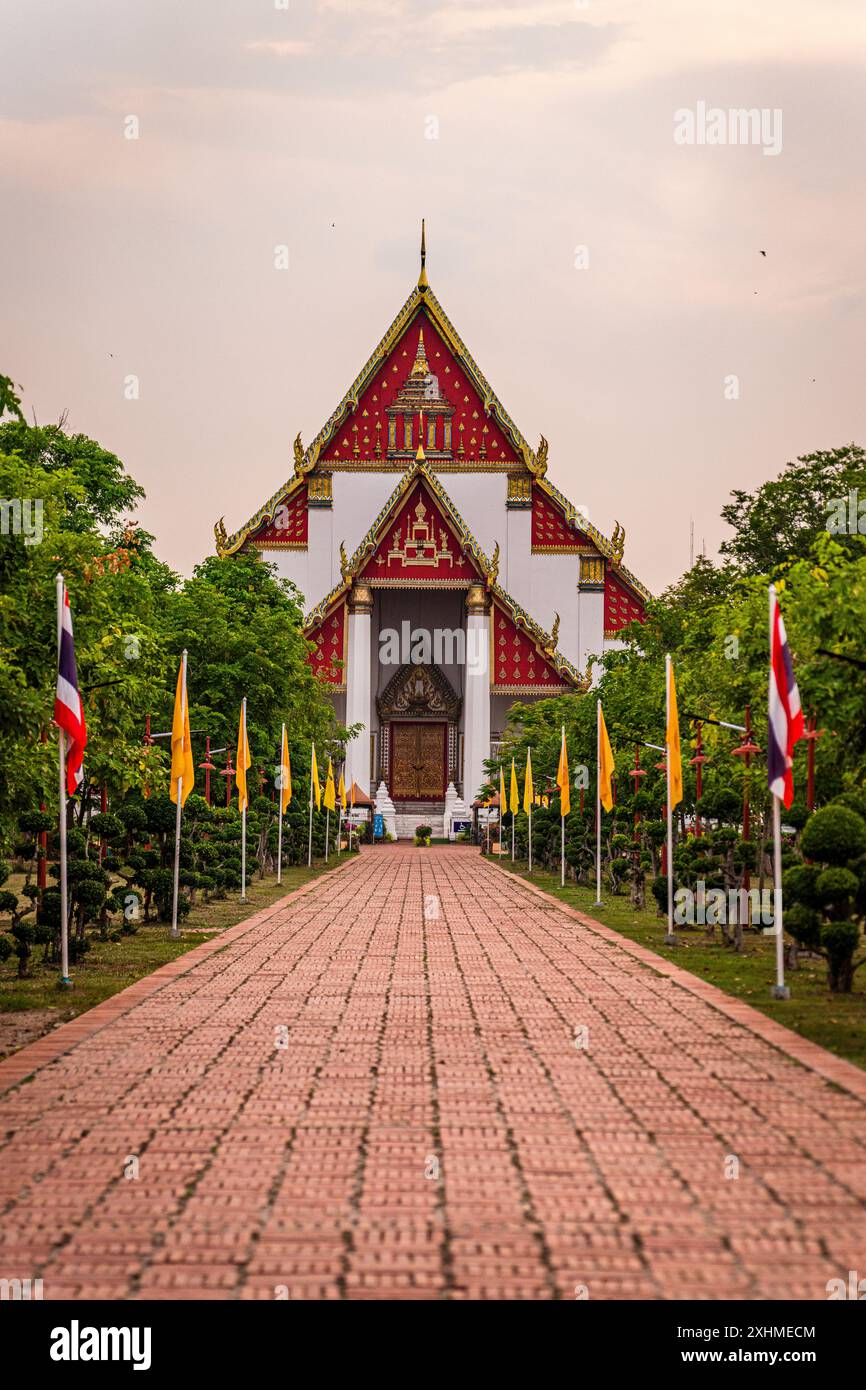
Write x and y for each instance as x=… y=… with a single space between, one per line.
x=480 y=500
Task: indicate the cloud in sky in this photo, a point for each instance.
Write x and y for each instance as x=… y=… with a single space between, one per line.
x=310 y=127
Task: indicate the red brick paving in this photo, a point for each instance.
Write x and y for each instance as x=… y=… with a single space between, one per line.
x=430 y=1129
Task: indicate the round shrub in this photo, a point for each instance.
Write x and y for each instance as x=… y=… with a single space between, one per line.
x=836 y=885
x=804 y=924
x=799 y=885
x=834 y=835
x=106 y=825
x=840 y=941
x=36 y=822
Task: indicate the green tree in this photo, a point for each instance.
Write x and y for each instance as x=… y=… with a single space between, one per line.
x=781 y=519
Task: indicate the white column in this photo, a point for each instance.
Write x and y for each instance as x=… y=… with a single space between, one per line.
x=590 y=599
x=476 y=697
x=358 y=686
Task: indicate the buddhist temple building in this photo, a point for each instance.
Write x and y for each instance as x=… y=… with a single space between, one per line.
x=446 y=576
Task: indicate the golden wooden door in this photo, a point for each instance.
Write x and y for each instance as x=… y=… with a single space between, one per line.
x=418 y=761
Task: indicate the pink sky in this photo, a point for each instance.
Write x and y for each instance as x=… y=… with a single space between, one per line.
x=307 y=126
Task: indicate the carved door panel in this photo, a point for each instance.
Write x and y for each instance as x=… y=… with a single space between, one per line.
x=418 y=761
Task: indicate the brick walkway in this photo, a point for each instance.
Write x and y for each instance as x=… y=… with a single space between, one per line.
x=429 y=1127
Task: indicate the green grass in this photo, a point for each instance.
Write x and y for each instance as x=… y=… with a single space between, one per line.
x=836 y=1021
x=110 y=966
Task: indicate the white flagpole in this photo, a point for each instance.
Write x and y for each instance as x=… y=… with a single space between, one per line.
x=598 y=902
x=310 y=841
x=562 y=828
x=64 y=892
x=174 y=930
x=670 y=939
x=339 y=828
x=244 y=815
x=280 y=809
x=501 y=810
x=327 y=830
x=780 y=989
x=529 y=817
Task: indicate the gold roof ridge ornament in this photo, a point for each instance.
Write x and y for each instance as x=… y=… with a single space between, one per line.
x=423 y=282
x=538 y=465
x=617 y=542
x=551 y=645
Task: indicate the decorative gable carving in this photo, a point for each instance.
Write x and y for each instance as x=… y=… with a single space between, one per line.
x=419 y=692
x=421 y=394
x=420 y=545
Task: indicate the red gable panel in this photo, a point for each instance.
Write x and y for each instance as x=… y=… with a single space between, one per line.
x=621 y=604
x=419 y=545
x=330 y=647
x=288 y=527
x=517 y=663
x=371 y=417
x=550 y=530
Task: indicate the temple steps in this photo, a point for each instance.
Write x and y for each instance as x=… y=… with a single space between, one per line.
x=412 y=813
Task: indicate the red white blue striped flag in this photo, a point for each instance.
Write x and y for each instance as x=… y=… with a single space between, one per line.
x=68 y=706
x=785 y=724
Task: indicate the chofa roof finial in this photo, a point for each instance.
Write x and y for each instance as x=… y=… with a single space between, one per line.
x=422 y=278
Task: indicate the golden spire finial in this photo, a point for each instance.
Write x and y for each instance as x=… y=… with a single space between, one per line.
x=422 y=278
x=419 y=454
x=420 y=366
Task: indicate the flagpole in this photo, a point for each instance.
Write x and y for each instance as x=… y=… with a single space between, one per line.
x=174 y=930
x=327 y=830
x=780 y=989
x=598 y=902
x=562 y=828
x=244 y=813
x=64 y=893
x=529 y=814
x=280 y=810
x=670 y=938
x=501 y=808
x=310 y=842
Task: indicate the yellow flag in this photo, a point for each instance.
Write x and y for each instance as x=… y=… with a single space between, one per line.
x=182 y=764
x=606 y=763
x=352 y=795
x=314 y=780
x=285 y=774
x=528 y=789
x=330 y=798
x=562 y=779
x=244 y=761
x=513 y=793
x=341 y=793
x=672 y=739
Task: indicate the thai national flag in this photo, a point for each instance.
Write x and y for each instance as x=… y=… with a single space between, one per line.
x=68 y=707
x=785 y=715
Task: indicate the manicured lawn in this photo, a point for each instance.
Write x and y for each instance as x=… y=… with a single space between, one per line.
x=110 y=966
x=836 y=1021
